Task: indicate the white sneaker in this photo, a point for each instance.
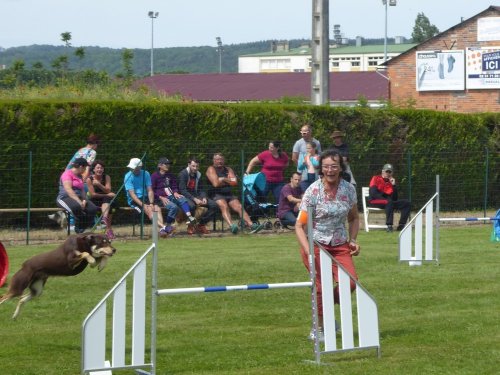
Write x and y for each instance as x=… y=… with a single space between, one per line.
x=321 y=336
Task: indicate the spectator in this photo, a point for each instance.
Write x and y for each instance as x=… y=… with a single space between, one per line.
x=273 y=161
x=72 y=197
x=223 y=179
x=140 y=195
x=166 y=191
x=290 y=198
x=88 y=153
x=99 y=192
x=300 y=148
x=333 y=200
x=343 y=149
x=191 y=187
x=384 y=194
x=309 y=163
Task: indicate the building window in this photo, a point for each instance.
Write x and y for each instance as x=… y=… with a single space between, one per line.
x=275 y=64
x=355 y=63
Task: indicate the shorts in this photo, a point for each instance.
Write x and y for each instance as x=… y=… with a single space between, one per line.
x=227 y=197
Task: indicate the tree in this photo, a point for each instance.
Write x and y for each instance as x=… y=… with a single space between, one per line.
x=127 y=56
x=66 y=37
x=60 y=63
x=80 y=52
x=423 y=29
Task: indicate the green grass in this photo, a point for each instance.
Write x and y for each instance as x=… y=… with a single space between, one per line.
x=433 y=319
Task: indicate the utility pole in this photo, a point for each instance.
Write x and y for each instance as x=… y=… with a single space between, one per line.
x=320 y=77
x=219 y=50
x=152 y=15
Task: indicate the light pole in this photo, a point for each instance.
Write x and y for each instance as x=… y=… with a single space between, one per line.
x=152 y=15
x=392 y=3
x=219 y=50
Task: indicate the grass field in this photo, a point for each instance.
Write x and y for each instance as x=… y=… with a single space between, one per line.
x=433 y=319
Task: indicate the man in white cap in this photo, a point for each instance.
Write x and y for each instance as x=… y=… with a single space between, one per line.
x=384 y=194
x=140 y=195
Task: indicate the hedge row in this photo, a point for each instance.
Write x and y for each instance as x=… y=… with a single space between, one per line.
x=416 y=141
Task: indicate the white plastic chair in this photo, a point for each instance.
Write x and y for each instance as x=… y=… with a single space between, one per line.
x=365 y=192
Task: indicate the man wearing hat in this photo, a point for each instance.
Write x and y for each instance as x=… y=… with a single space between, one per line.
x=343 y=149
x=166 y=191
x=140 y=195
x=384 y=194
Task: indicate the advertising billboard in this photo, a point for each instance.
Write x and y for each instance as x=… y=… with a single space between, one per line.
x=483 y=68
x=440 y=70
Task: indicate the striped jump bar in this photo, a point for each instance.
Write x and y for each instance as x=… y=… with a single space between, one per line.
x=232 y=288
x=468 y=218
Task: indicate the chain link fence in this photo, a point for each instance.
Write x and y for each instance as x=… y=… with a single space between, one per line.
x=29 y=176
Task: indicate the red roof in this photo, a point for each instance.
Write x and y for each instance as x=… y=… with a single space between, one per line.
x=344 y=86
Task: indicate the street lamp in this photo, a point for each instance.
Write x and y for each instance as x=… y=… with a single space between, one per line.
x=219 y=50
x=392 y=3
x=152 y=15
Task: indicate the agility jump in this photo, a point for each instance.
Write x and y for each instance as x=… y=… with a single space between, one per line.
x=94 y=342
x=419 y=239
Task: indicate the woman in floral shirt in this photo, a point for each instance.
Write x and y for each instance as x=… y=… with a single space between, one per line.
x=333 y=200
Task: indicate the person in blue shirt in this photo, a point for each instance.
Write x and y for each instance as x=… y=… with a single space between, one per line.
x=140 y=195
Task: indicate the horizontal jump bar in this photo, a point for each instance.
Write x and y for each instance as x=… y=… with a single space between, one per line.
x=468 y=218
x=232 y=288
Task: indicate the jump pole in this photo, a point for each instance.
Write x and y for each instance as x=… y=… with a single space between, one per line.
x=232 y=288
x=95 y=349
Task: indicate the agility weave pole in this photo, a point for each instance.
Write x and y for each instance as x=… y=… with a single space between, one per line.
x=94 y=341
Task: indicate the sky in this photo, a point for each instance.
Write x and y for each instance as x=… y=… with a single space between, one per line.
x=185 y=23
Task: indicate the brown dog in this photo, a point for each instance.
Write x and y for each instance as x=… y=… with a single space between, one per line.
x=68 y=259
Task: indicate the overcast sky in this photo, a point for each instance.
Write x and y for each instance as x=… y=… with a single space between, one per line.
x=125 y=23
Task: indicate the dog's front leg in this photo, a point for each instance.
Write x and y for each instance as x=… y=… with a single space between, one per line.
x=101 y=263
x=80 y=257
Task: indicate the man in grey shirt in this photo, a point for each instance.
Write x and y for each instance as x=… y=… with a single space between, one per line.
x=299 y=148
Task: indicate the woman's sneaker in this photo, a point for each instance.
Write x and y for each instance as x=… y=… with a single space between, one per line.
x=110 y=234
x=167 y=231
x=234 y=229
x=256 y=227
x=321 y=336
x=191 y=220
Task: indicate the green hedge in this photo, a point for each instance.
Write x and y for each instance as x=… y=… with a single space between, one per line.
x=419 y=142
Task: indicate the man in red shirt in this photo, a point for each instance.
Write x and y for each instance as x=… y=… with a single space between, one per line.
x=384 y=194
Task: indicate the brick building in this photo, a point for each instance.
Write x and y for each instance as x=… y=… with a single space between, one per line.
x=457 y=70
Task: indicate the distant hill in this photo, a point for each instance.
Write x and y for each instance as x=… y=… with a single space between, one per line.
x=203 y=59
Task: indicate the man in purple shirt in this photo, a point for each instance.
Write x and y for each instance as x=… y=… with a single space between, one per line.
x=166 y=192
x=290 y=198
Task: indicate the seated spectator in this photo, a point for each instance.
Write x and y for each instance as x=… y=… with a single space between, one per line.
x=290 y=198
x=166 y=191
x=384 y=194
x=99 y=192
x=222 y=179
x=72 y=196
x=191 y=187
x=273 y=162
x=308 y=164
x=140 y=194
